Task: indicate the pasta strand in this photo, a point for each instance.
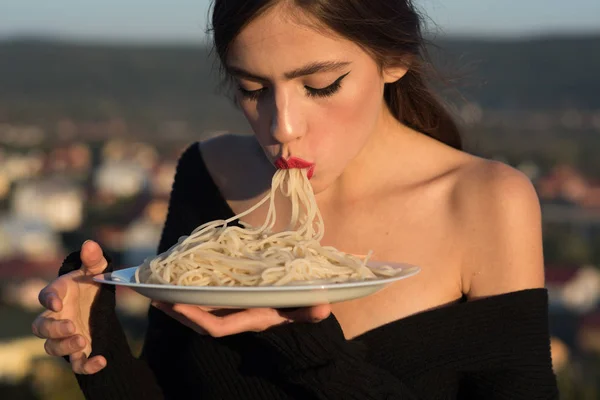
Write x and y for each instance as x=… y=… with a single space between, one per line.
x=216 y=254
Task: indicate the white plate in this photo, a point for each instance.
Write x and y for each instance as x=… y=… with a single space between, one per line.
x=298 y=295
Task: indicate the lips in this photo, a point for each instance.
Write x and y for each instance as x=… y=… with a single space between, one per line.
x=294 y=162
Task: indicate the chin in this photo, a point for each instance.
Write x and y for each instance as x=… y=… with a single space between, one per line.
x=320 y=183
x=317 y=189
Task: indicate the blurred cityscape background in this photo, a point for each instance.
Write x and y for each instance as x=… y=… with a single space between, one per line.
x=96 y=106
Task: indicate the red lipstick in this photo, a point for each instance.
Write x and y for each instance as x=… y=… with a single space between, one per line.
x=294 y=162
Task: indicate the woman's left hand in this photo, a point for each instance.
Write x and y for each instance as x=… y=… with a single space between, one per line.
x=225 y=322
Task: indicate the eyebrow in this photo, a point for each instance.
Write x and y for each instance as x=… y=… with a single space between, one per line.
x=308 y=69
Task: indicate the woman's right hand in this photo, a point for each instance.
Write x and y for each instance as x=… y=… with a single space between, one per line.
x=68 y=301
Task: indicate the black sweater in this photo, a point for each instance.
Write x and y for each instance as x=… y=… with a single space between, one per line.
x=494 y=348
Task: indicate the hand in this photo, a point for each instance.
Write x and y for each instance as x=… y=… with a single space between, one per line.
x=68 y=301
x=220 y=322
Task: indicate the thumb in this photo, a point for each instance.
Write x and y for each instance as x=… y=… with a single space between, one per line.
x=308 y=314
x=92 y=258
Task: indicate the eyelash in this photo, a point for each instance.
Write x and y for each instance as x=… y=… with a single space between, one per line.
x=311 y=92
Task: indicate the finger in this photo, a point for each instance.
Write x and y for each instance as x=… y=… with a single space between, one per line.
x=161 y=305
x=81 y=364
x=64 y=347
x=309 y=314
x=78 y=360
x=252 y=320
x=168 y=309
x=48 y=328
x=51 y=296
x=92 y=365
x=92 y=258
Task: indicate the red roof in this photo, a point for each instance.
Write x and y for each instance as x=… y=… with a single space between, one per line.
x=20 y=268
x=590 y=321
x=560 y=275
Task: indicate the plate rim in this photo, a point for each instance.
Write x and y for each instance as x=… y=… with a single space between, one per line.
x=107 y=278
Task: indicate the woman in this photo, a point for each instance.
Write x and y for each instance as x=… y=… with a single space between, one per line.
x=339 y=83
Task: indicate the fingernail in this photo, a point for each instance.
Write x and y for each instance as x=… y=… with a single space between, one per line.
x=85 y=242
x=80 y=342
x=50 y=302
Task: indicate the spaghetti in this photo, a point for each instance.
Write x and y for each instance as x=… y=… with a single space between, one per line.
x=218 y=254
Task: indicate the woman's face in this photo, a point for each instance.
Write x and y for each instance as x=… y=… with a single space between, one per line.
x=305 y=93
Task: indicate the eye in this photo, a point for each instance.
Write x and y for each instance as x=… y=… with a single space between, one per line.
x=326 y=91
x=251 y=94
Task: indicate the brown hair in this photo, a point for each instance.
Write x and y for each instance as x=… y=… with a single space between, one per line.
x=389 y=30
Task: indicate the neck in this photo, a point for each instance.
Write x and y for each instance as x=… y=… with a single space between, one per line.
x=376 y=163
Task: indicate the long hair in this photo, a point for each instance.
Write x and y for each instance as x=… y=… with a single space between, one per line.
x=389 y=30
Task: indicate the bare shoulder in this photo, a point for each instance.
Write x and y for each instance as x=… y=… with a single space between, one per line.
x=499 y=185
x=498 y=217
x=237 y=165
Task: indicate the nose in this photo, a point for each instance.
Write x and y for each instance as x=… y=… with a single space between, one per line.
x=287 y=121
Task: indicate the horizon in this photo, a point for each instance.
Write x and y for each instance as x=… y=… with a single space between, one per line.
x=99 y=41
x=152 y=21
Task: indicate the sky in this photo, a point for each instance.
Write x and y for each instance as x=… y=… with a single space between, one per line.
x=185 y=20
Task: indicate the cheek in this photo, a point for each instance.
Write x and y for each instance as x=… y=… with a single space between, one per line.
x=348 y=120
x=250 y=111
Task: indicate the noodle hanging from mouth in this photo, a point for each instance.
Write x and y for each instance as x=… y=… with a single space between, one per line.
x=217 y=254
